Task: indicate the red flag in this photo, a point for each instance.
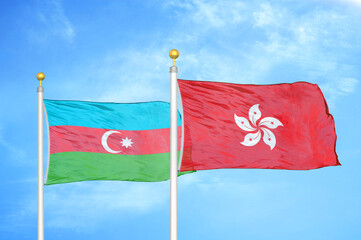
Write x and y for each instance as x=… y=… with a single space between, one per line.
x=281 y=126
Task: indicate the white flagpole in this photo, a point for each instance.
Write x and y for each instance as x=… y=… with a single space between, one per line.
x=173 y=148
x=40 y=76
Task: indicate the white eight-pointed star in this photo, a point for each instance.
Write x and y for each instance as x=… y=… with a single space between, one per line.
x=126 y=142
x=252 y=139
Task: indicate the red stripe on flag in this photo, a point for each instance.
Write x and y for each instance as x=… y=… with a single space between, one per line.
x=84 y=139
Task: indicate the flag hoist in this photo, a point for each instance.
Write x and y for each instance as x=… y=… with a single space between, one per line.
x=40 y=76
x=173 y=147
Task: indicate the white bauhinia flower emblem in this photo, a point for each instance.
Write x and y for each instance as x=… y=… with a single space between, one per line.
x=252 y=139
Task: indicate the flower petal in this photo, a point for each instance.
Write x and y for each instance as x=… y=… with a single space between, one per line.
x=254 y=114
x=251 y=139
x=270 y=122
x=269 y=138
x=243 y=123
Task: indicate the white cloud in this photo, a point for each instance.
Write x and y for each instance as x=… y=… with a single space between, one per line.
x=52 y=22
x=336 y=88
x=307 y=41
x=213 y=186
x=348 y=85
x=356 y=3
x=211 y=13
x=313 y=44
x=267 y=16
x=84 y=205
x=278 y=45
x=13 y=152
x=135 y=75
x=280 y=37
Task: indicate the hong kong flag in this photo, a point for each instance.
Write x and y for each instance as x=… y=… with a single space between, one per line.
x=280 y=126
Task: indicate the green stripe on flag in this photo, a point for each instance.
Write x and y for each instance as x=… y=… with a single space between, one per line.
x=68 y=167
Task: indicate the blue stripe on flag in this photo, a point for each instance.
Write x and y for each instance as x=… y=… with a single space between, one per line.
x=122 y=116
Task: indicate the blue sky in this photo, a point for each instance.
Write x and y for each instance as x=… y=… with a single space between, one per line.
x=118 y=51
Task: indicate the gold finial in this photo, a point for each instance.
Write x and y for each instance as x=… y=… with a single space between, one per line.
x=173 y=54
x=40 y=76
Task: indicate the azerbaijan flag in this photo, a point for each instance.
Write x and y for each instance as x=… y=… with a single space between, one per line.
x=108 y=141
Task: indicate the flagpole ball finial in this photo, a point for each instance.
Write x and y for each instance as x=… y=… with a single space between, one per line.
x=173 y=54
x=40 y=76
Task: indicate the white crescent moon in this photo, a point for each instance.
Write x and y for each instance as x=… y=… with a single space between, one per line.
x=105 y=139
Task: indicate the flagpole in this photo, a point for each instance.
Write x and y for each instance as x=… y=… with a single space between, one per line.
x=173 y=148
x=40 y=76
